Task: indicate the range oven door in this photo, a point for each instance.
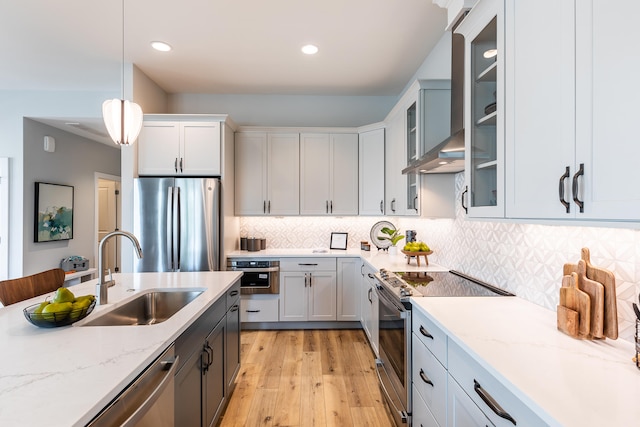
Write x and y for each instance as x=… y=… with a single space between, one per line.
x=393 y=366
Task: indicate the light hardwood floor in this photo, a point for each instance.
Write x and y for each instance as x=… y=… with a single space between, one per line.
x=306 y=378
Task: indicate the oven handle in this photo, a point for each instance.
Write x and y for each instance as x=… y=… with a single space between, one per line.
x=403 y=415
x=391 y=304
x=257 y=270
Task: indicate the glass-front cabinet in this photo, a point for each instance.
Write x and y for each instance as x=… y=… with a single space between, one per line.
x=484 y=109
x=413 y=188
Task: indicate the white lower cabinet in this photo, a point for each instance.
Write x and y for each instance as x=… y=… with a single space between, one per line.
x=369 y=307
x=308 y=289
x=348 y=283
x=462 y=411
x=430 y=381
x=454 y=388
x=259 y=308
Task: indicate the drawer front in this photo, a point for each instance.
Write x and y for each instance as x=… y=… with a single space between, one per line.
x=430 y=380
x=431 y=336
x=259 y=308
x=477 y=382
x=421 y=416
x=233 y=294
x=308 y=264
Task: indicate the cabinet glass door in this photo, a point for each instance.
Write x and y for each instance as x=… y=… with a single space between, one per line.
x=483 y=149
x=412 y=154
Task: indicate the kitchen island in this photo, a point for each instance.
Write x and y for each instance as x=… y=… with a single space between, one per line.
x=65 y=376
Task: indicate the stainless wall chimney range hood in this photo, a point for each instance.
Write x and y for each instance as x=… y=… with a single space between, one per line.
x=448 y=156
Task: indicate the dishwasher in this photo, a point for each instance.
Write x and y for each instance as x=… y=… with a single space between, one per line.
x=148 y=401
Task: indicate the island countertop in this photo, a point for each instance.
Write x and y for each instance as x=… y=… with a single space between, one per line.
x=65 y=376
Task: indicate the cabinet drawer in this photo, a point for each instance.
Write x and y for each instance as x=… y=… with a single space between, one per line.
x=308 y=264
x=430 y=380
x=233 y=294
x=259 y=308
x=476 y=381
x=431 y=335
x=421 y=416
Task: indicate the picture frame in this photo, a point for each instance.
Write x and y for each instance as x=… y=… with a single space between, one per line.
x=53 y=212
x=338 y=241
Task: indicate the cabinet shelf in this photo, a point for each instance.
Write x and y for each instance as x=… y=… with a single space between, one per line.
x=488 y=120
x=488 y=74
x=486 y=165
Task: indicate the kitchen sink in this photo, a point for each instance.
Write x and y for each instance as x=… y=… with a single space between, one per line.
x=148 y=308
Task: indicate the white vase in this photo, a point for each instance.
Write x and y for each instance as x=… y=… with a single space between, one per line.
x=393 y=250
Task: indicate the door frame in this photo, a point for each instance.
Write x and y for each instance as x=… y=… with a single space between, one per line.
x=97 y=177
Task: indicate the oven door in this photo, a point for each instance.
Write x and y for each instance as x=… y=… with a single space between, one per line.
x=395 y=352
x=259 y=280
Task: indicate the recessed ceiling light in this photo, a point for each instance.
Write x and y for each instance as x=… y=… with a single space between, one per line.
x=490 y=53
x=310 y=49
x=161 y=46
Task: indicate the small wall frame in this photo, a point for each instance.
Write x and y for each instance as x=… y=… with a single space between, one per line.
x=338 y=241
x=53 y=212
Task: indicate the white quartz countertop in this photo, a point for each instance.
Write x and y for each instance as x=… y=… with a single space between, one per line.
x=65 y=376
x=567 y=382
x=376 y=259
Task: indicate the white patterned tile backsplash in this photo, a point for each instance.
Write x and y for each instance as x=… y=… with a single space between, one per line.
x=525 y=259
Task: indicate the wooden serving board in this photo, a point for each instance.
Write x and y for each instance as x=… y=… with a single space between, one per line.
x=595 y=291
x=417 y=255
x=574 y=310
x=608 y=281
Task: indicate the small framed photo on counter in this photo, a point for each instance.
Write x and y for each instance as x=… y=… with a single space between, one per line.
x=338 y=241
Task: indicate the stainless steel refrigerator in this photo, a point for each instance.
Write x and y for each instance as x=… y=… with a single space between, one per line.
x=177 y=221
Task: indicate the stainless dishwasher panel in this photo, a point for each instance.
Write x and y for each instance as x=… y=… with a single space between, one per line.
x=148 y=401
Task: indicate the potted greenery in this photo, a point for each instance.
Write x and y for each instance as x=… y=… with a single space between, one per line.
x=393 y=236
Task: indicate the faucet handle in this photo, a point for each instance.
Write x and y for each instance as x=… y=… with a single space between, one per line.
x=110 y=282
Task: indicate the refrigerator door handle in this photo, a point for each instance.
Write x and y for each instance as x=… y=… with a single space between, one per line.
x=177 y=226
x=169 y=234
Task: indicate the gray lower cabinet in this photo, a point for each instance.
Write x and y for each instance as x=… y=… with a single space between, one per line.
x=209 y=352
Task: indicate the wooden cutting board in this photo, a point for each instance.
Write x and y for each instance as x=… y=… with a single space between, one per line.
x=608 y=280
x=574 y=310
x=595 y=291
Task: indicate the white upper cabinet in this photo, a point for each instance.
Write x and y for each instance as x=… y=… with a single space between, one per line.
x=573 y=98
x=371 y=172
x=266 y=173
x=328 y=174
x=179 y=148
x=483 y=31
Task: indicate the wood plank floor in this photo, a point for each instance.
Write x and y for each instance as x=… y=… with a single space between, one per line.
x=306 y=378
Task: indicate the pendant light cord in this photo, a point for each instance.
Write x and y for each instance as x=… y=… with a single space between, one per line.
x=122 y=76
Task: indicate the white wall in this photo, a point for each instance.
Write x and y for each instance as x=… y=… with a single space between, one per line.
x=74 y=162
x=14 y=105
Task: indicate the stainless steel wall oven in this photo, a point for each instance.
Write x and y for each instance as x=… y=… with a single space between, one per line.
x=260 y=276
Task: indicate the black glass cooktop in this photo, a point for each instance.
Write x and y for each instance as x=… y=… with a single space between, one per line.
x=448 y=284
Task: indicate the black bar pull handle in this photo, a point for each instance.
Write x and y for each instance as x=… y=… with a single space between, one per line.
x=424 y=332
x=466 y=190
x=563 y=178
x=381 y=206
x=252 y=311
x=491 y=402
x=425 y=378
x=577 y=175
x=393 y=205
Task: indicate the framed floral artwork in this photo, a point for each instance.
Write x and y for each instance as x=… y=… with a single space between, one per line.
x=53 y=213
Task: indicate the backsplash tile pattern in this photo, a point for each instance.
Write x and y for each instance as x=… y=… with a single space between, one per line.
x=525 y=259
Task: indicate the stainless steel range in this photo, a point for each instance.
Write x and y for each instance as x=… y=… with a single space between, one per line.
x=395 y=290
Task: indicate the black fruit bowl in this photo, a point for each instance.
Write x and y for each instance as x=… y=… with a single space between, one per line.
x=53 y=320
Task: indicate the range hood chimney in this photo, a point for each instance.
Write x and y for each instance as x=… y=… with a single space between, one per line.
x=448 y=156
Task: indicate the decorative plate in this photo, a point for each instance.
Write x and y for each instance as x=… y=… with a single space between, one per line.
x=375 y=232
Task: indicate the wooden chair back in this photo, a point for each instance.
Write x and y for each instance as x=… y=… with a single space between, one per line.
x=16 y=290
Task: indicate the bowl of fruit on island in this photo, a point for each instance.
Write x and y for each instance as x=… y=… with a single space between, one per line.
x=63 y=309
x=417 y=249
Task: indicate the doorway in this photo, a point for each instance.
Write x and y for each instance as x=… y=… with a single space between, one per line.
x=108 y=219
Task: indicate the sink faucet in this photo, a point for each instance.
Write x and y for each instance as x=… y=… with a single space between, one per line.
x=103 y=284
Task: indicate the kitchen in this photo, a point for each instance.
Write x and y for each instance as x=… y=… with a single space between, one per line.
x=522 y=256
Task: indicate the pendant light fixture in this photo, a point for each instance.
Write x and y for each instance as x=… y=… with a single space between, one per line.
x=122 y=118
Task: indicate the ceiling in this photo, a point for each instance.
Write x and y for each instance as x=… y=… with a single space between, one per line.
x=367 y=47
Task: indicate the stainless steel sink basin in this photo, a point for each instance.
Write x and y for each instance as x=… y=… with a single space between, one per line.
x=147 y=308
